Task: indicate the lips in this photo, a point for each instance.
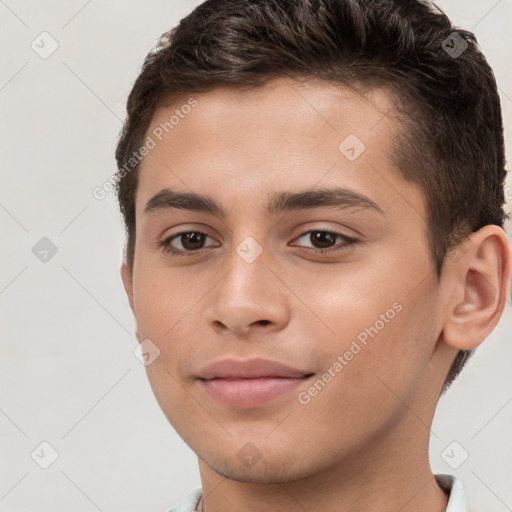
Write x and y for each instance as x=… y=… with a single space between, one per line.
x=249 y=383
x=249 y=369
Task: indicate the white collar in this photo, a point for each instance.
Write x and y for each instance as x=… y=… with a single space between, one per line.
x=452 y=486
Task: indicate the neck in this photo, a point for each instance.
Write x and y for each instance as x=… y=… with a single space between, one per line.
x=390 y=475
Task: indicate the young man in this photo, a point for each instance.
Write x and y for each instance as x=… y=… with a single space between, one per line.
x=313 y=197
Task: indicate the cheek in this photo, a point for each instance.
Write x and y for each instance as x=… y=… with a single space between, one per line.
x=163 y=299
x=165 y=307
x=163 y=313
x=343 y=303
x=370 y=369
x=374 y=322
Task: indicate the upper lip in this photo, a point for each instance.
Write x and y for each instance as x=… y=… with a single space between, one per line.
x=249 y=369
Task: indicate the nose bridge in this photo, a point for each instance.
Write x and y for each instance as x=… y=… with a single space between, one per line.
x=248 y=264
x=248 y=293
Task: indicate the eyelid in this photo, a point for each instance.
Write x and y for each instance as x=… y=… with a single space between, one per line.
x=346 y=240
x=166 y=247
x=187 y=228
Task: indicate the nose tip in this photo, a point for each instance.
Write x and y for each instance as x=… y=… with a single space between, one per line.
x=239 y=327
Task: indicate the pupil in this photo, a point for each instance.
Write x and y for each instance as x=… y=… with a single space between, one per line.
x=192 y=240
x=322 y=238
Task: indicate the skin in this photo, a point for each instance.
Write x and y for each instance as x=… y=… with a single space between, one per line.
x=362 y=442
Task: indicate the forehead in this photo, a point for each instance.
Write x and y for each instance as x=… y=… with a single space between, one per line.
x=279 y=136
x=306 y=108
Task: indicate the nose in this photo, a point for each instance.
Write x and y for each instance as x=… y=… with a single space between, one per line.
x=249 y=297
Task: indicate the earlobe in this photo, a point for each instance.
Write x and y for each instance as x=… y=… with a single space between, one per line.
x=479 y=283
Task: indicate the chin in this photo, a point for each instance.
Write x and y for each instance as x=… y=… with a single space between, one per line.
x=262 y=472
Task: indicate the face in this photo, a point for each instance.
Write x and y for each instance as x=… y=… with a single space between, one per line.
x=306 y=248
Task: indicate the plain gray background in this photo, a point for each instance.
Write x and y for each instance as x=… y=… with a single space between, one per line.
x=68 y=373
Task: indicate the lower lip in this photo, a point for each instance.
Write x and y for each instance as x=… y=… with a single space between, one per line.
x=250 y=392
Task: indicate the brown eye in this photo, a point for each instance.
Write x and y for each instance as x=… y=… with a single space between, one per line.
x=192 y=241
x=185 y=243
x=324 y=240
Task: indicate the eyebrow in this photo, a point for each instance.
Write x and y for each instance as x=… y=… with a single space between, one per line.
x=340 y=198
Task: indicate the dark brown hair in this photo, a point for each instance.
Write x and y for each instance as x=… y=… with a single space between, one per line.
x=451 y=141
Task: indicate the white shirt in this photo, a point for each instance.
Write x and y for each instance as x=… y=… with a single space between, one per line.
x=453 y=487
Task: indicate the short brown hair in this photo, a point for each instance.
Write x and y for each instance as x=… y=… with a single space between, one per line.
x=451 y=144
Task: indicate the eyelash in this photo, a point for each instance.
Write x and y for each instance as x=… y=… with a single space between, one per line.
x=166 y=247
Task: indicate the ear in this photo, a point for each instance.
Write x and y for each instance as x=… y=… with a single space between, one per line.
x=127 y=279
x=478 y=279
